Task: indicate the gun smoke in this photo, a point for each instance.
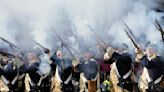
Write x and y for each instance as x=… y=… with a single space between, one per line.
x=21 y=19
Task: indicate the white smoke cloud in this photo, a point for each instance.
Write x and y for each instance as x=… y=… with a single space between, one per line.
x=36 y=18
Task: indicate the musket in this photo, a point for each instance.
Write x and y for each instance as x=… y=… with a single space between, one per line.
x=38 y=44
x=6 y=53
x=19 y=60
x=9 y=43
x=76 y=38
x=46 y=50
x=64 y=44
x=128 y=28
x=132 y=40
x=101 y=42
x=158 y=26
x=131 y=37
x=12 y=47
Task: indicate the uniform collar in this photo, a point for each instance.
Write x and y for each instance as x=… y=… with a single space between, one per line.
x=152 y=57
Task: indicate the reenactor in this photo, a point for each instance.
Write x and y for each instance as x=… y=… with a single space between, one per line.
x=10 y=73
x=89 y=74
x=121 y=69
x=45 y=70
x=76 y=76
x=63 y=75
x=151 y=79
x=32 y=76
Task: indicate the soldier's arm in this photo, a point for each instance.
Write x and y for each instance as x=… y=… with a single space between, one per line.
x=110 y=55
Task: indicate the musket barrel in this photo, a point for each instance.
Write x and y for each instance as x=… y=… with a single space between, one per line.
x=9 y=42
x=64 y=44
x=38 y=44
x=131 y=37
x=6 y=53
x=135 y=45
x=159 y=26
x=104 y=46
x=160 y=29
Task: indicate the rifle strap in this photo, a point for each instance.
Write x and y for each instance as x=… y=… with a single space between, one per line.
x=21 y=76
x=5 y=81
x=57 y=74
x=59 y=78
x=124 y=76
x=39 y=83
x=29 y=79
x=41 y=78
x=15 y=79
x=158 y=79
x=145 y=70
x=68 y=79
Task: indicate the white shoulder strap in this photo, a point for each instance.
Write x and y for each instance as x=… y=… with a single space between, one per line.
x=158 y=80
x=145 y=70
x=115 y=68
x=5 y=81
x=68 y=79
x=15 y=79
x=57 y=74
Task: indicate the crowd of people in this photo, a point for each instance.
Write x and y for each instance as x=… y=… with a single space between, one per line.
x=116 y=71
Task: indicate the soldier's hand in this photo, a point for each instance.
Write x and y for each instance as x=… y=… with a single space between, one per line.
x=138 y=51
x=46 y=50
x=139 y=55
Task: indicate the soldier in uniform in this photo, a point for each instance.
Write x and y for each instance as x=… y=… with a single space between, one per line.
x=11 y=73
x=32 y=76
x=76 y=76
x=3 y=86
x=121 y=69
x=45 y=69
x=63 y=75
x=151 y=79
x=37 y=71
x=56 y=59
x=89 y=73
